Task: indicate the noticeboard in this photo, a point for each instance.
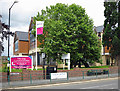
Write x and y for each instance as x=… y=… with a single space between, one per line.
x=21 y=62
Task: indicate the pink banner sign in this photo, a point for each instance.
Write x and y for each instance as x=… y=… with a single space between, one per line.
x=21 y=62
x=40 y=31
x=39 y=27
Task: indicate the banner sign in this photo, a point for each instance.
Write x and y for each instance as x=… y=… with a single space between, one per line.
x=39 y=27
x=21 y=62
x=61 y=75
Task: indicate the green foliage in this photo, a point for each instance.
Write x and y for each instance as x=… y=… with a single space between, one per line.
x=106 y=66
x=111 y=37
x=4 y=67
x=68 y=29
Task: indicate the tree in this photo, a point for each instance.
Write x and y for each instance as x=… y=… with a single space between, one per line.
x=111 y=36
x=1 y=45
x=68 y=29
x=3 y=34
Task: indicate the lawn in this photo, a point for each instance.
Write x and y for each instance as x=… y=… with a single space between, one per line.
x=20 y=70
x=106 y=66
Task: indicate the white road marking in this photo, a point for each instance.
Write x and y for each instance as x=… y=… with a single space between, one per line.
x=96 y=86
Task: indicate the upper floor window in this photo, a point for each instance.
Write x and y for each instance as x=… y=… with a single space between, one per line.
x=16 y=45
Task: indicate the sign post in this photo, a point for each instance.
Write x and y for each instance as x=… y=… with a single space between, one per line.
x=39 y=31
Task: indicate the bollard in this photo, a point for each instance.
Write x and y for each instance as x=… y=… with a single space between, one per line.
x=50 y=77
x=22 y=77
x=108 y=72
x=83 y=74
x=8 y=80
x=96 y=73
x=67 y=76
x=30 y=79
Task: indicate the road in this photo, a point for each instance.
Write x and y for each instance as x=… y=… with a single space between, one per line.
x=108 y=83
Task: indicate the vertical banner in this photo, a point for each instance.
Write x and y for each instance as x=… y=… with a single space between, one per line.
x=39 y=27
x=39 y=31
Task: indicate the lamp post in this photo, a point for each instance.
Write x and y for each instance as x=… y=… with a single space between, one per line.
x=9 y=35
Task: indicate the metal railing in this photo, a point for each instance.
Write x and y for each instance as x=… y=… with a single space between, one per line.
x=33 y=79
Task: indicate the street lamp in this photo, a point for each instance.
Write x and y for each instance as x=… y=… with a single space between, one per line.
x=9 y=35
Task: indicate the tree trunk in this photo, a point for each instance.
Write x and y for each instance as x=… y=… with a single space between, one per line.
x=75 y=63
x=71 y=64
x=79 y=64
x=117 y=61
x=85 y=64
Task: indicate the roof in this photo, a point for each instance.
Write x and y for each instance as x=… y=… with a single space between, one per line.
x=99 y=28
x=22 y=35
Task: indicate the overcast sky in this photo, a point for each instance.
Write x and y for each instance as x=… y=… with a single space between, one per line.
x=22 y=12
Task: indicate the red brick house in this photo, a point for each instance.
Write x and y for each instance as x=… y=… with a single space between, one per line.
x=21 y=43
x=106 y=59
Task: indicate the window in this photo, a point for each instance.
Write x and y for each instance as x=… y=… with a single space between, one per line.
x=32 y=41
x=16 y=45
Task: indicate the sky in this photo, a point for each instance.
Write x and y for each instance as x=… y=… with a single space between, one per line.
x=22 y=12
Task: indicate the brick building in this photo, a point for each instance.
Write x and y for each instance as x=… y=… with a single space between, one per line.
x=32 y=44
x=106 y=59
x=21 y=43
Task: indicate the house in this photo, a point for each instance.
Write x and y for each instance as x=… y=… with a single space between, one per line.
x=32 y=46
x=25 y=44
x=105 y=55
x=21 y=43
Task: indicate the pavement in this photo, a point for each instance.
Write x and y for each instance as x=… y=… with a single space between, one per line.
x=105 y=83
x=15 y=84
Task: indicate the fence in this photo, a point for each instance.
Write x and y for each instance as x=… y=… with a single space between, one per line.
x=37 y=77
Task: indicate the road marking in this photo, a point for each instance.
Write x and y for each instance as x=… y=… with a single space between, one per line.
x=39 y=86
x=96 y=86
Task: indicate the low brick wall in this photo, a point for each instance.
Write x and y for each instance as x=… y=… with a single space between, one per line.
x=38 y=74
x=76 y=72
x=113 y=69
x=24 y=75
x=27 y=75
x=3 y=76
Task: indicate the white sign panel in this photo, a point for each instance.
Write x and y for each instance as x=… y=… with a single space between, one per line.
x=43 y=55
x=66 y=56
x=60 y=75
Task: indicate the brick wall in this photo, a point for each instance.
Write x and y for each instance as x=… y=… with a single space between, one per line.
x=114 y=69
x=38 y=74
x=23 y=47
x=76 y=72
x=3 y=76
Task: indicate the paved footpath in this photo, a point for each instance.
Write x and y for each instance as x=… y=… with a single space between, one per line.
x=105 y=83
x=48 y=81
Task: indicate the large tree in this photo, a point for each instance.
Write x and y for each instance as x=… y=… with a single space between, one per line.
x=111 y=36
x=68 y=29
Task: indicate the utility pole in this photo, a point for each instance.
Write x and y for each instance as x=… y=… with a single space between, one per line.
x=9 y=37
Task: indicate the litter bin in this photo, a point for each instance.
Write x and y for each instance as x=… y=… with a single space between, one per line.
x=50 y=70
